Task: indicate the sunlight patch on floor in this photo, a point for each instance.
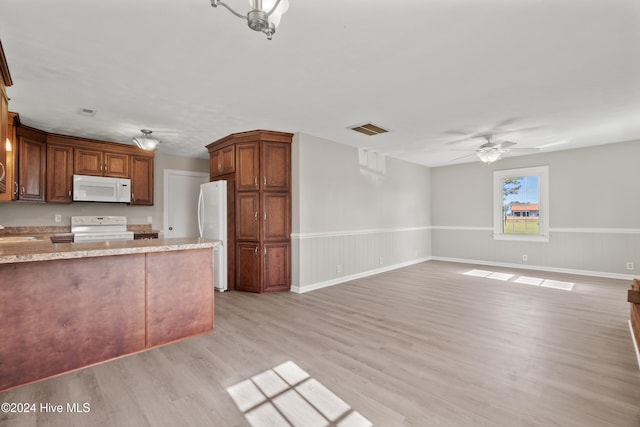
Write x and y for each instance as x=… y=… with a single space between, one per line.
x=288 y=396
x=524 y=280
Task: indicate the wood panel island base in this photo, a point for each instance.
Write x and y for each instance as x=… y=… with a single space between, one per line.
x=89 y=303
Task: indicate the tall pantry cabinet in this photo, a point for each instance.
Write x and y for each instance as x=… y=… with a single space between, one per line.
x=257 y=168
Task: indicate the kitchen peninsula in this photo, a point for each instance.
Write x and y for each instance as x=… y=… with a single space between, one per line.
x=70 y=305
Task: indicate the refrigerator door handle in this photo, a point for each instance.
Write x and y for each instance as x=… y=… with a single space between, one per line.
x=199 y=212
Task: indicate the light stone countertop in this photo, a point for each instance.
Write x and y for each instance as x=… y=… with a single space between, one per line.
x=44 y=250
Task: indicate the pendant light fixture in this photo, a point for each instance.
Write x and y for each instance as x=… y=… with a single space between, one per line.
x=145 y=142
x=264 y=15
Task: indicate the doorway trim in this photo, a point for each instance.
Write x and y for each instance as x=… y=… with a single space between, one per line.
x=167 y=175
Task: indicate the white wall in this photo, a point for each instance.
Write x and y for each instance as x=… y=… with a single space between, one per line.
x=31 y=214
x=594 y=212
x=354 y=212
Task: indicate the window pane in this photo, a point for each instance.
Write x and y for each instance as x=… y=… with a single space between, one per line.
x=521 y=205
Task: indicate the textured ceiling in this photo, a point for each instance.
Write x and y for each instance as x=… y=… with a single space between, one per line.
x=556 y=74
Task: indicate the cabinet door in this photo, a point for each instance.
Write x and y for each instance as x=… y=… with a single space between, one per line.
x=116 y=165
x=4 y=112
x=247 y=267
x=222 y=162
x=276 y=216
x=276 y=267
x=87 y=162
x=141 y=180
x=276 y=166
x=31 y=173
x=248 y=159
x=59 y=174
x=248 y=216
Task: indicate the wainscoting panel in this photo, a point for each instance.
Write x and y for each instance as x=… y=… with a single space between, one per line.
x=600 y=252
x=324 y=259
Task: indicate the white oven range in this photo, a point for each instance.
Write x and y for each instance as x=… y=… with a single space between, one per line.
x=100 y=228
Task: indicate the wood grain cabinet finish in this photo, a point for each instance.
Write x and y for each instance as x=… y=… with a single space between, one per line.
x=5 y=81
x=100 y=163
x=86 y=311
x=142 y=180
x=4 y=124
x=260 y=230
x=32 y=158
x=89 y=310
x=59 y=174
x=178 y=282
x=222 y=162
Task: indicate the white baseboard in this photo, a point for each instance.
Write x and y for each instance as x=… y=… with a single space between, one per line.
x=539 y=268
x=635 y=344
x=342 y=279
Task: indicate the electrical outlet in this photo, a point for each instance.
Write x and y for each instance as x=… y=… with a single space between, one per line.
x=525 y=258
x=149 y=219
x=338 y=269
x=57 y=218
x=630 y=265
x=381 y=260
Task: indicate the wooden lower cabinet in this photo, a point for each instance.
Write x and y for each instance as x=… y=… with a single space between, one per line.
x=263 y=267
x=248 y=267
x=277 y=267
x=62 y=315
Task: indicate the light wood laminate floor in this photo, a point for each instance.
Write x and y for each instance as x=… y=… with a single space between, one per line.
x=424 y=345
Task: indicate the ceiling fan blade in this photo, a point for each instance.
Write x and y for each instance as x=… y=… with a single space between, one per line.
x=506 y=144
x=463 y=157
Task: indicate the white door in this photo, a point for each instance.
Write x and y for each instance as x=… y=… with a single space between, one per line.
x=181 y=190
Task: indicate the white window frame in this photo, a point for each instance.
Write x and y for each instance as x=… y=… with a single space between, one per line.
x=542 y=172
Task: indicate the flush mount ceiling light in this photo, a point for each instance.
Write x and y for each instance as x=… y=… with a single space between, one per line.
x=145 y=142
x=264 y=15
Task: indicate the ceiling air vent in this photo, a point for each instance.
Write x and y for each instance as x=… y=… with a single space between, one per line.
x=369 y=129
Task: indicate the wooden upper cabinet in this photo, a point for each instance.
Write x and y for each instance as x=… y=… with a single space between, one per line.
x=100 y=163
x=222 y=162
x=4 y=124
x=31 y=170
x=248 y=163
x=116 y=165
x=142 y=180
x=59 y=174
x=5 y=81
x=276 y=166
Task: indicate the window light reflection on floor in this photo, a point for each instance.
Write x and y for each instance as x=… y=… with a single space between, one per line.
x=287 y=396
x=533 y=281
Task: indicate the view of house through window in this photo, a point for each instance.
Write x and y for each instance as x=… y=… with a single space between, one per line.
x=521 y=205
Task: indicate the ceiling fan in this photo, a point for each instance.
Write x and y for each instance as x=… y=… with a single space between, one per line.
x=489 y=152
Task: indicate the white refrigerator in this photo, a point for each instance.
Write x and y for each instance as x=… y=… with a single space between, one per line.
x=212 y=223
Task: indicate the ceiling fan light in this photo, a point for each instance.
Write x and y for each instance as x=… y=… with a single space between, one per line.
x=489 y=156
x=145 y=142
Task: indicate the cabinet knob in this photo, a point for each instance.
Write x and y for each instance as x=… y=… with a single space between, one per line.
x=170 y=228
x=3 y=171
x=265 y=180
x=15 y=191
x=265 y=215
x=255 y=216
x=255 y=251
x=255 y=181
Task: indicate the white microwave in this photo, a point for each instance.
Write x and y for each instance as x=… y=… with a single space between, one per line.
x=87 y=188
